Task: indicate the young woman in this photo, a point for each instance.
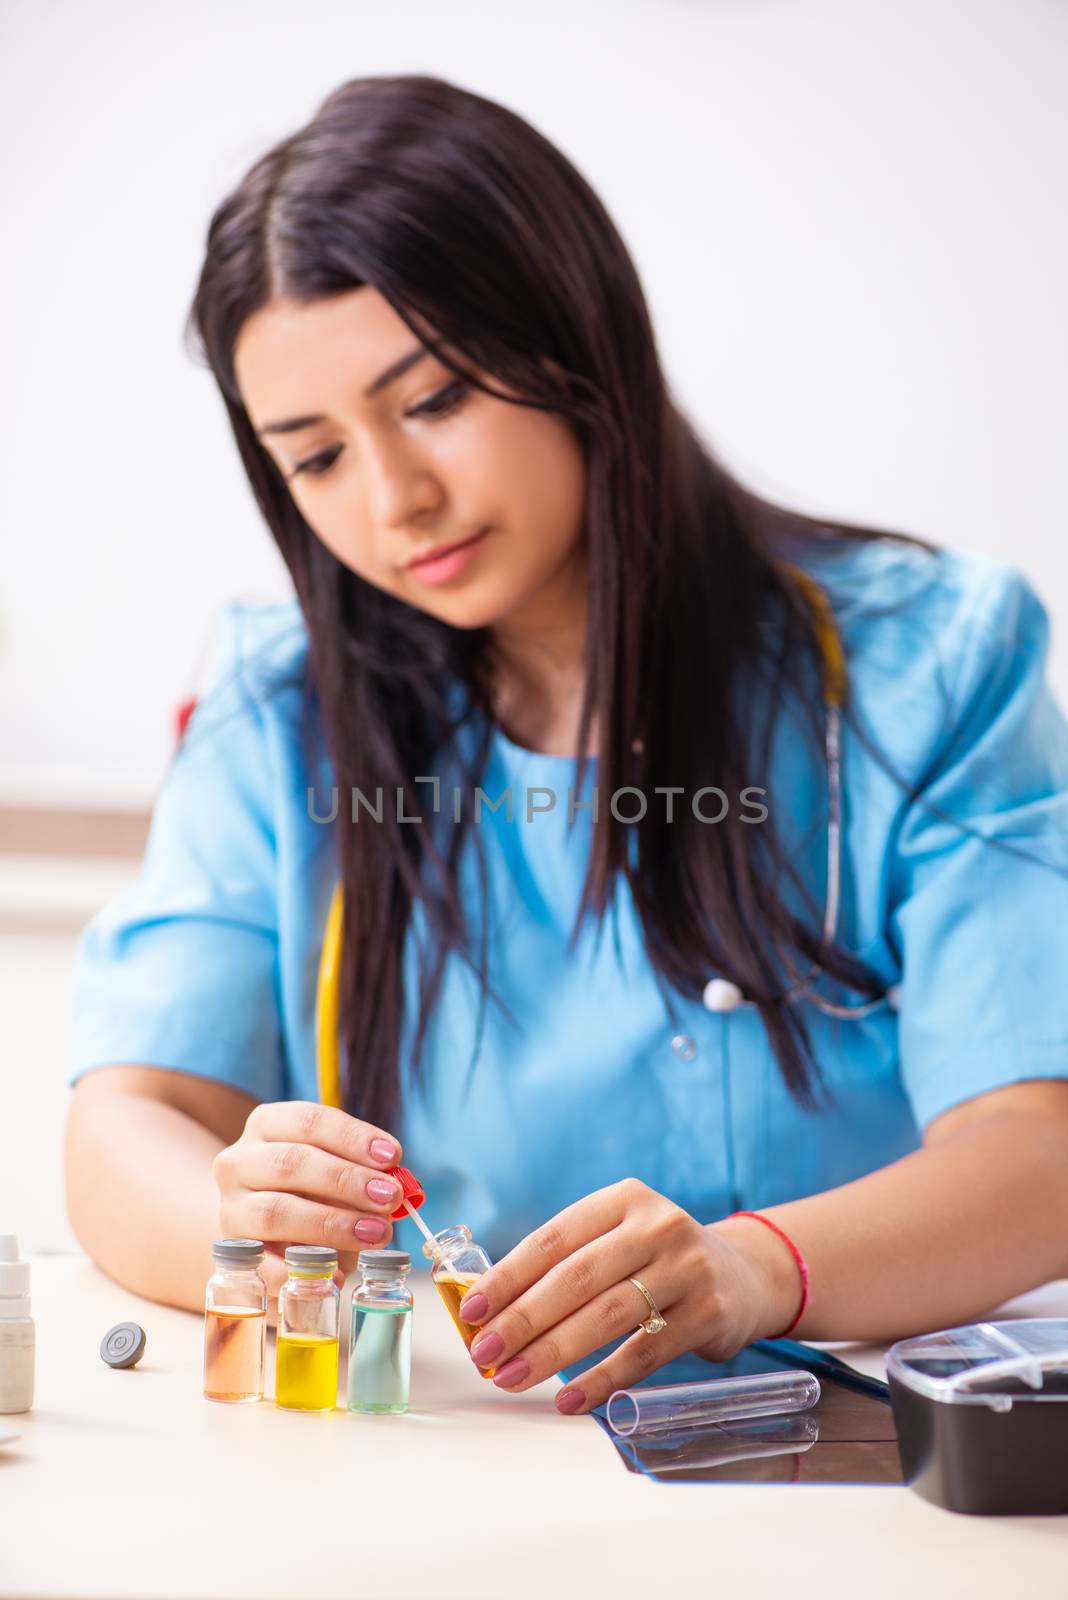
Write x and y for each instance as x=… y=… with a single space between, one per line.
x=807 y=959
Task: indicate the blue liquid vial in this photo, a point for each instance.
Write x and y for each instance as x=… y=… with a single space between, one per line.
x=380 y=1351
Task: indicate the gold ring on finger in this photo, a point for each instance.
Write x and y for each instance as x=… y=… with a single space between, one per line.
x=654 y=1322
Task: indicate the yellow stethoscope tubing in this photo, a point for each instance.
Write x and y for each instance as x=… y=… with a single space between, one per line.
x=829 y=640
x=834 y=686
x=326 y=1004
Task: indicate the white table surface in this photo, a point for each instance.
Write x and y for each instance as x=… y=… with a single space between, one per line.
x=130 y=1484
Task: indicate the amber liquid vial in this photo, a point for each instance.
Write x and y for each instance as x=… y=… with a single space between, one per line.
x=457 y=1264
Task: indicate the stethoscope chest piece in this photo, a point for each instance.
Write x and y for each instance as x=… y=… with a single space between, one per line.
x=721 y=995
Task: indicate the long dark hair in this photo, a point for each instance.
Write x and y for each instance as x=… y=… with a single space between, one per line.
x=472 y=225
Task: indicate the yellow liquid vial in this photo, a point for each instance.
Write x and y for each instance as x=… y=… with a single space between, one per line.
x=305 y=1377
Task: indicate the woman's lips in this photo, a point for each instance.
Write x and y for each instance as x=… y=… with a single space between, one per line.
x=439 y=569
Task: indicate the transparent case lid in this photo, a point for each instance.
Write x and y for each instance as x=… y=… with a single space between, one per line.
x=994 y=1364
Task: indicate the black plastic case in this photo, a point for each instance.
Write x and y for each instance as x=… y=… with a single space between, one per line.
x=982 y=1416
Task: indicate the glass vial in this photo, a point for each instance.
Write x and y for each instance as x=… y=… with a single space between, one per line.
x=235 y=1323
x=457 y=1263
x=380 y=1351
x=305 y=1377
x=17 y=1333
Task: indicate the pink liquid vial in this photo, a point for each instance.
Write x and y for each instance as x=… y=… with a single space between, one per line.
x=235 y=1323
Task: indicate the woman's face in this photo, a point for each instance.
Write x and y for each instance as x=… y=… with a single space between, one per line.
x=390 y=457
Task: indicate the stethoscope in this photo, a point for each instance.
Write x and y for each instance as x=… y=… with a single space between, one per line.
x=720 y=995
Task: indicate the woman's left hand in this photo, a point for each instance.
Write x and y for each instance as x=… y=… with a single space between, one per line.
x=564 y=1292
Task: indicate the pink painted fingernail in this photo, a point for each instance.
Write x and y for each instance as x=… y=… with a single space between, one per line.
x=569 y=1401
x=370 y=1230
x=382 y=1150
x=513 y=1371
x=487 y=1348
x=474 y=1308
x=382 y=1190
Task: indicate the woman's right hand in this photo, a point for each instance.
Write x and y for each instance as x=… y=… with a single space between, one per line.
x=303 y=1173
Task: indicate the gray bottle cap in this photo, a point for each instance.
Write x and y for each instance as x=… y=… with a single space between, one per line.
x=312 y=1257
x=123 y=1345
x=240 y=1252
x=383 y=1260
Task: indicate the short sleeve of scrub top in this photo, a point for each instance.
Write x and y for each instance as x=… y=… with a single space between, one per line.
x=180 y=970
x=980 y=911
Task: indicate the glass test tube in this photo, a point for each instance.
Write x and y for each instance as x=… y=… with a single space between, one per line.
x=660 y=1408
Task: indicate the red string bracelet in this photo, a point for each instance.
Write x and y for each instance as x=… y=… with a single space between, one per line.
x=802 y=1265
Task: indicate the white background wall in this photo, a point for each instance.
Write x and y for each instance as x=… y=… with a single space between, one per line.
x=849 y=215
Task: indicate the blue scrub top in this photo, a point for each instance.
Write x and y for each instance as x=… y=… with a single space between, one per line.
x=207 y=964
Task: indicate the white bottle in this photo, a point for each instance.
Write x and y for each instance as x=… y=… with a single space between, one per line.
x=16 y=1329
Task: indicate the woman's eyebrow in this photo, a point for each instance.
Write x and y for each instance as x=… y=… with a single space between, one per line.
x=384 y=379
x=290 y=425
x=397 y=370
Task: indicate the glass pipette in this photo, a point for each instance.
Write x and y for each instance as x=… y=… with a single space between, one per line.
x=420 y=1224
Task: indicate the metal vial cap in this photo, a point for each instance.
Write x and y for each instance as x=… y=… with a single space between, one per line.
x=383 y=1260
x=312 y=1257
x=240 y=1252
x=123 y=1345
